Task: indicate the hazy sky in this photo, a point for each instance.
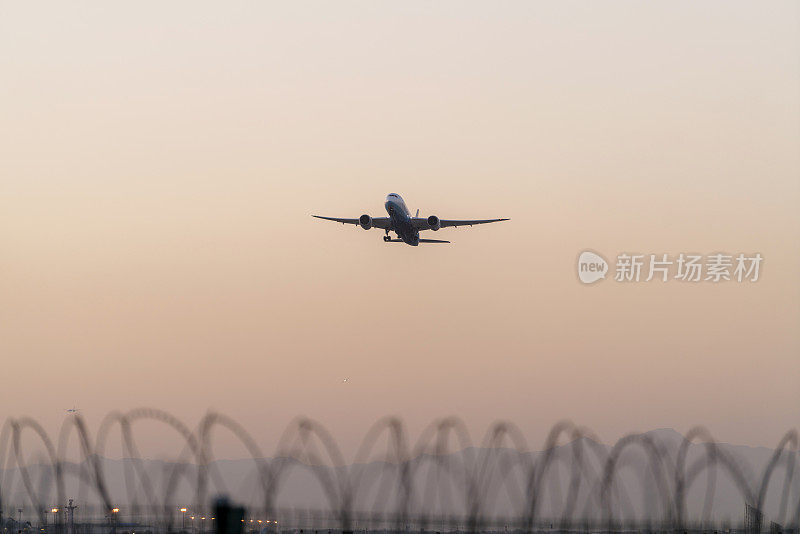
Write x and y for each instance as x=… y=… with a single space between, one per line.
x=159 y=163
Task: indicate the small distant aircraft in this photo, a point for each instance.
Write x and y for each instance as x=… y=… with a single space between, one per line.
x=72 y=411
x=404 y=225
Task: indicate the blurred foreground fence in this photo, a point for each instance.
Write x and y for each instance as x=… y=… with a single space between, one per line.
x=441 y=481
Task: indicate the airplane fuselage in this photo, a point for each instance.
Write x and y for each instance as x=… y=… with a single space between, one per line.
x=400 y=219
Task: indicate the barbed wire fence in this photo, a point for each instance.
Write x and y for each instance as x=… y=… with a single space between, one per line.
x=440 y=482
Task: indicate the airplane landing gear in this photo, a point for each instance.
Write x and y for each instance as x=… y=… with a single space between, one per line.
x=387 y=238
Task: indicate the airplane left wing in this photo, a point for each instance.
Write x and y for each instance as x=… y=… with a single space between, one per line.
x=446 y=222
x=422 y=223
x=377 y=222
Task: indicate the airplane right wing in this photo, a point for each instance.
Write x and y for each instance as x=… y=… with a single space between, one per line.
x=377 y=222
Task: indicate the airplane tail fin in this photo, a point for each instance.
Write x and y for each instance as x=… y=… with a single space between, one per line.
x=417 y=215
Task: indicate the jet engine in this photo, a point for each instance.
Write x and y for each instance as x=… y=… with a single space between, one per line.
x=365 y=221
x=434 y=223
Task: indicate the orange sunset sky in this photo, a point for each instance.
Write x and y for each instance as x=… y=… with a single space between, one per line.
x=159 y=163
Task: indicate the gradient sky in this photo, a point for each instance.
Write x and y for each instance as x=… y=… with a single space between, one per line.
x=159 y=163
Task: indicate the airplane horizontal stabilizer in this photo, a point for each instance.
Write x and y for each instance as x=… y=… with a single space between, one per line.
x=433 y=241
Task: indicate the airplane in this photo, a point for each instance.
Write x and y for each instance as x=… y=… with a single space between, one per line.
x=403 y=224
